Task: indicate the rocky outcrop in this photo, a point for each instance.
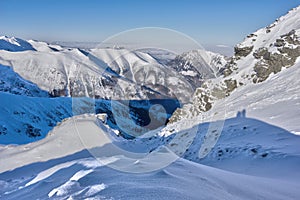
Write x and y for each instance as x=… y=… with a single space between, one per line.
x=230 y=86
x=242 y=51
x=202 y=102
x=288 y=50
x=265 y=52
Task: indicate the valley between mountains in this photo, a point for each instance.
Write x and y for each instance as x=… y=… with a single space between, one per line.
x=117 y=123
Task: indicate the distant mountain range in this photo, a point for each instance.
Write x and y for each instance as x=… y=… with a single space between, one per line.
x=235 y=134
x=197 y=79
x=34 y=74
x=98 y=72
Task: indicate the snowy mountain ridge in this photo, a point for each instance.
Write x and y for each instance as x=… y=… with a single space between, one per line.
x=198 y=65
x=262 y=54
x=95 y=72
x=14 y=44
x=237 y=140
x=47 y=71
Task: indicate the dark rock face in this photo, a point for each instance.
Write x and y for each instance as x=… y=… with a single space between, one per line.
x=242 y=51
x=292 y=53
x=205 y=99
x=239 y=52
x=279 y=43
x=32 y=131
x=261 y=53
x=58 y=93
x=228 y=69
x=3 y=130
x=230 y=86
x=202 y=102
x=291 y=38
x=251 y=35
x=273 y=62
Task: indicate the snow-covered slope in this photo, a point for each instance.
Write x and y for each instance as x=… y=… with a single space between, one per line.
x=65 y=174
x=275 y=100
x=102 y=73
x=43 y=46
x=13 y=83
x=26 y=119
x=85 y=178
x=51 y=71
x=14 y=44
x=262 y=54
x=264 y=140
x=244 y=145
x=266 y=137
x=99 y=72
x=243 y=125
x=269 y=49
x=198 y=65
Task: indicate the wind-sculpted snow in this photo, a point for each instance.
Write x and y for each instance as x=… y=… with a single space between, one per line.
x=59 y=167
x=106 y=121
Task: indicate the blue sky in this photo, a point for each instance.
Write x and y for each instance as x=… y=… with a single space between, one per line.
x=207 y=21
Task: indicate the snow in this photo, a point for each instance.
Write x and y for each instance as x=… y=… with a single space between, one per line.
x=73 y=182
x=45 y=174
x=13 y=83
x=291 y=21
x=65 y=144
x=62 y=190
x=262 y=142
x=94 y=189
x=275 y=100
x=80 y=174
x=222 y=45
x=181 y=180
x=188 y=73
x=94 y=72
x=242 y=174
x=10 y=40
x=14 y=44
x=245 y=147
x=44 y=47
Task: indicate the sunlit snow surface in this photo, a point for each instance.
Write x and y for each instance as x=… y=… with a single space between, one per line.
x=262 y=158
x=256 y=156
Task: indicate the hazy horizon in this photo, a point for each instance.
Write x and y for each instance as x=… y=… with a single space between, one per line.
x=214 y=22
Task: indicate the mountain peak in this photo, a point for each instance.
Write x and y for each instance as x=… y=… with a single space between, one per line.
x=261 y=55
x=14 y=44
